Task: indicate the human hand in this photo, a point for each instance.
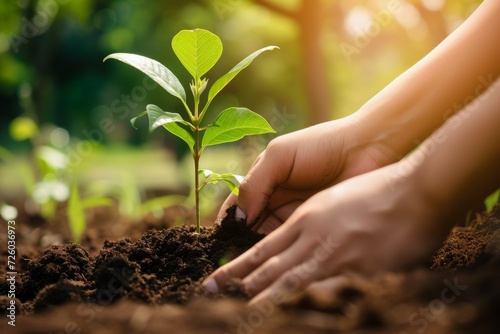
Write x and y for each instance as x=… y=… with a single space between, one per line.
x=364 y=225
x=298 y=165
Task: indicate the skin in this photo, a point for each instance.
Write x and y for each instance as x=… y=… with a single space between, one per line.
x=364 y=210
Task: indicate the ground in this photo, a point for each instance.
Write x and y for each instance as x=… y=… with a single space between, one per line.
x=150 y=281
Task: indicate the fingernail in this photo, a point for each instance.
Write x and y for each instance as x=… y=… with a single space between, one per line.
x=210 y=285
x=240 y=214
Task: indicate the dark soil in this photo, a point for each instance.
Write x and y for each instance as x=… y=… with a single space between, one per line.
x=151 y=284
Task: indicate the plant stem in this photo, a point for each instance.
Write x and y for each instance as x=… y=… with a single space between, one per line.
x=197 y=153
x=196 y=157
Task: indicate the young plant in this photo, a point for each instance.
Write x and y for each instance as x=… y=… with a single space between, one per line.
x=199 y=50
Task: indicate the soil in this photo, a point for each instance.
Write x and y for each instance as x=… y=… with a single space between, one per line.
x=150 y=283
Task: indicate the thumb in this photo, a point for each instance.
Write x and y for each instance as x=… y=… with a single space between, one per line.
x=229 y=202
x=270 y=170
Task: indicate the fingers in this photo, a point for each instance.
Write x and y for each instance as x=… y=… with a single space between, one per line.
x=275 y=266
x=294 y=282
x=270 y=246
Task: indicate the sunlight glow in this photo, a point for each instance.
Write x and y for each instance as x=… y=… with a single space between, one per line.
x=433 y=5
x=408 y=17
x=357 y=20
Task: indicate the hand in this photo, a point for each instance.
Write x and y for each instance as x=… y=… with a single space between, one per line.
x=298 y=165
x=368 y=224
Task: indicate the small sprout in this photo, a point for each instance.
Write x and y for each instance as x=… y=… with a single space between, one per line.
x=223 y=261
x=199 y=50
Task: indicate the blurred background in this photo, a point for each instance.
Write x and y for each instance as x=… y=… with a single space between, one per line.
x=65 y=114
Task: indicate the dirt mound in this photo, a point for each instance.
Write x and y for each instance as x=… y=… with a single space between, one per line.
x=152 y=285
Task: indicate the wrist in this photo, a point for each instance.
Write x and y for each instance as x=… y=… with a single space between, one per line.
x=434 y=215
x=368 y=136
x=434 y=198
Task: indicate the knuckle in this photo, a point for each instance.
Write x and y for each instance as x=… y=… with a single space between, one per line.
x=276 y=145
x=265 y=273
x=222 y=274
x=290 y=282
x=258 y=254
x=263 y=276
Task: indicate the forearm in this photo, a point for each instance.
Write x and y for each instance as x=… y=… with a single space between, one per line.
x=409 y=109
x=459 y=164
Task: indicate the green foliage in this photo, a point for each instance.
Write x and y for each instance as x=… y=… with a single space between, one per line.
x=76 y=210
x=228 y=178
x=199 y=50
x=492 y=200
x=46 y=181
x=76 y=216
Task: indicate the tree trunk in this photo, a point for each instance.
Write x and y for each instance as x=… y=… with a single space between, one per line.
x=309 y=19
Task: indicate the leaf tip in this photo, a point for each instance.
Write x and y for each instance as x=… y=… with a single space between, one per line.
x=108 y=57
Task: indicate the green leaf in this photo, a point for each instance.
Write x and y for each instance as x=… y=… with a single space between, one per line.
x=226 y=78
x=492 y=200
x=198 y=50
x=182 y=133
x=76 y=216
x=133 y=120
x=233 y=187
x=233 y=124
x=157 y=117
x=227 y=178
x=155 y=70
x=206 y=172
x=237 y=177
x=93 y=202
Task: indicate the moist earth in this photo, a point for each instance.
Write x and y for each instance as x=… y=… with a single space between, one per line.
x=150 y=283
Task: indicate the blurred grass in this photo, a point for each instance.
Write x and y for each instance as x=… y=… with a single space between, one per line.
x=150 y=168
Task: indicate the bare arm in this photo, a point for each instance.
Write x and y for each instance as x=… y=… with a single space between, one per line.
x=459 y=164
x=452 y=75
x=386 y=128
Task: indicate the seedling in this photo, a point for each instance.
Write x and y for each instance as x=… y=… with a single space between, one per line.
x=199 y=50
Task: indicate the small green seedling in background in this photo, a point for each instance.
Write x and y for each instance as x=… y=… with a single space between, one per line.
x=76 y=210
x=46 y=179
x=198 y=51
x=492 y=200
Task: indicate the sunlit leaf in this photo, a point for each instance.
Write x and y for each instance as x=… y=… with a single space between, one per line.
x=93 y=202
x=233 y=124
x=55 y=159
x=228 y=178
x=206 y=172
x=492 y=200
x=226 y=78
x=237 y=177
x=198 y=50
x=157 y=117
x=155 y=70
